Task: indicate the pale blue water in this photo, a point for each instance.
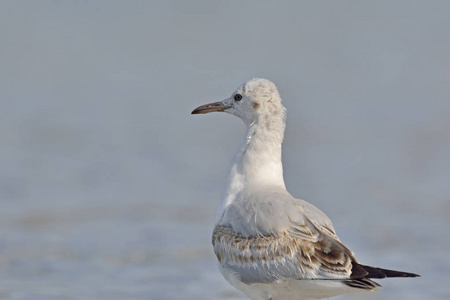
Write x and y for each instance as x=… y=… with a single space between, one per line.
x=108 y=185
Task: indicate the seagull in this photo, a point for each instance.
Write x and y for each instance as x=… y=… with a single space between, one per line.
x=269 y=244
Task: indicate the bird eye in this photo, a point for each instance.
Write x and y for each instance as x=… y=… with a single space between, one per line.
x=238 y=97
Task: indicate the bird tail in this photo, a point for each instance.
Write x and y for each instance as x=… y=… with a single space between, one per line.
x=363 y=283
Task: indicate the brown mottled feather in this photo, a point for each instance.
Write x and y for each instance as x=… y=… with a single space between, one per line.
x=318 y=253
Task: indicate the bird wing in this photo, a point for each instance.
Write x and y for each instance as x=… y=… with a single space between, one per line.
x=316 y=217
x=304 y=251
x=321 y=250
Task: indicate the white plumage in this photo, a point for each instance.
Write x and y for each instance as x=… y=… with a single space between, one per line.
x=269 y=244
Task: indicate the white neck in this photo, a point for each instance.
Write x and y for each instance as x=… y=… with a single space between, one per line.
x=257 y=165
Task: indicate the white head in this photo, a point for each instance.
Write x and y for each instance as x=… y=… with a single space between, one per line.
x=256 y=102
x=257 y=164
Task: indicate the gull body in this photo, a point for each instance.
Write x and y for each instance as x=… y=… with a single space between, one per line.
x=269 y=244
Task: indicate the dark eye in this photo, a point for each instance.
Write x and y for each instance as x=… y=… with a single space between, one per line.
x=238 y=97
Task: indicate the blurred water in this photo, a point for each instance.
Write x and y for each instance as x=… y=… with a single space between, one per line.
x=108 y=185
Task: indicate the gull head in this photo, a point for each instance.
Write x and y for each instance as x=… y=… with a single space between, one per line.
x=256 y=101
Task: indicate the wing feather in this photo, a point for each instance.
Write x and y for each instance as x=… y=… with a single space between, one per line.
x=301 y=252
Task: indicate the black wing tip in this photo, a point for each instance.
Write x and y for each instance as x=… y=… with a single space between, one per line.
x=405 y=274
x=372 y=272
x=361 y=274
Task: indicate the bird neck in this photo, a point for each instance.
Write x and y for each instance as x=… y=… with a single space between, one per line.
x=258 y=162
x=257 y=165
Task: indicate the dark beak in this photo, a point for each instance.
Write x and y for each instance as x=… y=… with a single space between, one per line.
x=211 y=107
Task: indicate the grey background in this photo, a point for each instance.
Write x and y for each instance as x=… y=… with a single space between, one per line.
x=108 y=185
